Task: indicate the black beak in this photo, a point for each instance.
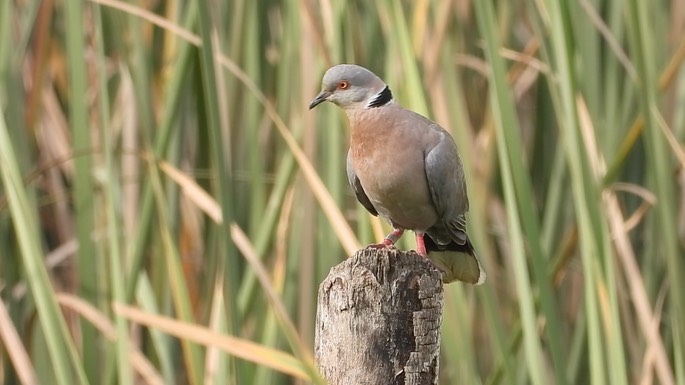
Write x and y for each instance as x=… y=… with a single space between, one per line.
x=320 y=98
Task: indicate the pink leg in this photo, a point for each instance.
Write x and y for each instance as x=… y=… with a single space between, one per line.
x=389 y=240
x=420 y=245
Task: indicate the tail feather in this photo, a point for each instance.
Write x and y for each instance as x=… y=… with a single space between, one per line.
x=457 y=262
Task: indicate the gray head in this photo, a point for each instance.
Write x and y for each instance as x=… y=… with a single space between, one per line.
x=351 y=86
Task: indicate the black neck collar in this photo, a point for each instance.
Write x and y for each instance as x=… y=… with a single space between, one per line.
x=380 y=99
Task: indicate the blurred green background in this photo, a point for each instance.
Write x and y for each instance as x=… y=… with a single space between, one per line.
x=168 y=205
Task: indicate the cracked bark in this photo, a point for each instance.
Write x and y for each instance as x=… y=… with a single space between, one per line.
x=378 y=320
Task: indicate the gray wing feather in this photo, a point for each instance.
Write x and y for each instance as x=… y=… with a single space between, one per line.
x=357 y=188
x=447 y=185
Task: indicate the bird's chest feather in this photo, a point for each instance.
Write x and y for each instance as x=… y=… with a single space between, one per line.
x=391 y=170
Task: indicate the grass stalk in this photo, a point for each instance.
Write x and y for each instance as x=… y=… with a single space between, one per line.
x=228 y=256
x=65 y=364
x=659 y=158
x=87 y=266
x=116 y=262
x=519 y=192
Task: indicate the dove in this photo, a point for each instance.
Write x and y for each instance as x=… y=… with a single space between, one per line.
x=404 y=168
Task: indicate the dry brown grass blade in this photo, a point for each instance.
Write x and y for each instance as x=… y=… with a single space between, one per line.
x=241 y=348
x=125 y=115
x=243 y=243
x=152 y=18
x=672 y=140
x=377 y=228
x=54 y=258
x=15 y=349
x=212 y=356
x=614 y=44
x=597 y=164
x=649 y=200
x=672 y=69
x=193 y=191
x=283 y=228
x=138 y=360
x=638 y=292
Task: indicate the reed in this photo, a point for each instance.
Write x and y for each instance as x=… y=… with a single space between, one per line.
x=168 y=205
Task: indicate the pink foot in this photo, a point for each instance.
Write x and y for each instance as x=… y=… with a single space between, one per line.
x=389 y=240
x=421 y=245
x=383 y=245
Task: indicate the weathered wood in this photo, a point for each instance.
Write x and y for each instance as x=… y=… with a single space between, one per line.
x=378 y=320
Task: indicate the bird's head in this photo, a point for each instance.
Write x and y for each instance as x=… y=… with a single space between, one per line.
x=351 y=86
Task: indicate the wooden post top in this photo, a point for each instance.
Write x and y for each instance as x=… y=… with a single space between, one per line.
x=378 y=319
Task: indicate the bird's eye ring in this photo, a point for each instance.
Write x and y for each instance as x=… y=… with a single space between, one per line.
x=343 y=85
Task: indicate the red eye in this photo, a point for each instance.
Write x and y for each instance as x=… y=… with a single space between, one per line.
x=343 y=85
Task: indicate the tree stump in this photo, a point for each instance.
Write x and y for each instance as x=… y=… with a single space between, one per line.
x=378 y=320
